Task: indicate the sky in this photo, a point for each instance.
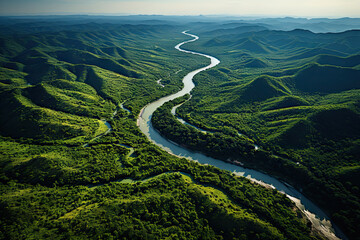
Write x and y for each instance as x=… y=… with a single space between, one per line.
x=294 y=8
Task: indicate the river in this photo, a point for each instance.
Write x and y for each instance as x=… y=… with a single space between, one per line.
x=319 y=219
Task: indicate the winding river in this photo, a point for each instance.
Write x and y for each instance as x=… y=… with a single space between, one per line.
x=319 y=219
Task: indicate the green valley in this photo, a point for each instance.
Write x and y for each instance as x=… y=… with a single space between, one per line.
x=75 y=165
x=296 y=95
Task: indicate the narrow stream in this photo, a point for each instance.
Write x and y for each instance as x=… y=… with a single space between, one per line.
x=173 y=112
x=319 y=219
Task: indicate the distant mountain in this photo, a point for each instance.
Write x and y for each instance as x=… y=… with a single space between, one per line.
x=318 y=25
x=315 y=51
x=296 y=45
x=237 y=29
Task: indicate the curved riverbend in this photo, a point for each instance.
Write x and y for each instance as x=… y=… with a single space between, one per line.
x=315 y=214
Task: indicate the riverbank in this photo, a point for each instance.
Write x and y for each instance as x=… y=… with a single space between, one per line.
x=145 y=126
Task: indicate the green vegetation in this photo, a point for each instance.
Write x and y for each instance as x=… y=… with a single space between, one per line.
x=301 y=108
x=57 y=88
x=170 y=205
x=218 y=144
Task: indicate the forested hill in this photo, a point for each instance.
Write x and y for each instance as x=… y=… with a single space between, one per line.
x=296 y=95
x=65 y=174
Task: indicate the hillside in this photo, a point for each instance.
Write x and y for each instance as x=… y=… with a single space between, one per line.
x=262 y=88
x=302 y=107
x=73 y=162
x=327 y=79
x=255 y=63
x=350 y=61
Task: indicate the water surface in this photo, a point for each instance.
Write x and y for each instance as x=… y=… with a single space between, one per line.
x=319 y=219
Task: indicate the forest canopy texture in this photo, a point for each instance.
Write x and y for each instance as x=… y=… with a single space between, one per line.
x=74 y=164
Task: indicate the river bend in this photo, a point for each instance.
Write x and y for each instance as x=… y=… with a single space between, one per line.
x=319 y=219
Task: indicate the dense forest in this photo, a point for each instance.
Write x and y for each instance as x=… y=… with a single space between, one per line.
x=293 y=93
x=75 y=165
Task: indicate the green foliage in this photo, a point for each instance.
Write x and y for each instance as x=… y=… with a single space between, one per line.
x=327 y=79
x=22 y=118
x=170 y=205
x=59 y=179
x=262 y=88
x=284 y=102
x=350 y=61
x=214 y=144
x=302 y=108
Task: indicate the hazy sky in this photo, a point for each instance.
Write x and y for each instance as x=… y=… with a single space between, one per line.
x=306 y=8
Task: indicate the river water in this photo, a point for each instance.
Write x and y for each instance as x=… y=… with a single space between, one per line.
x=319 y=219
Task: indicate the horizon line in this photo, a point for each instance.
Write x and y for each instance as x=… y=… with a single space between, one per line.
x=64 y=14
